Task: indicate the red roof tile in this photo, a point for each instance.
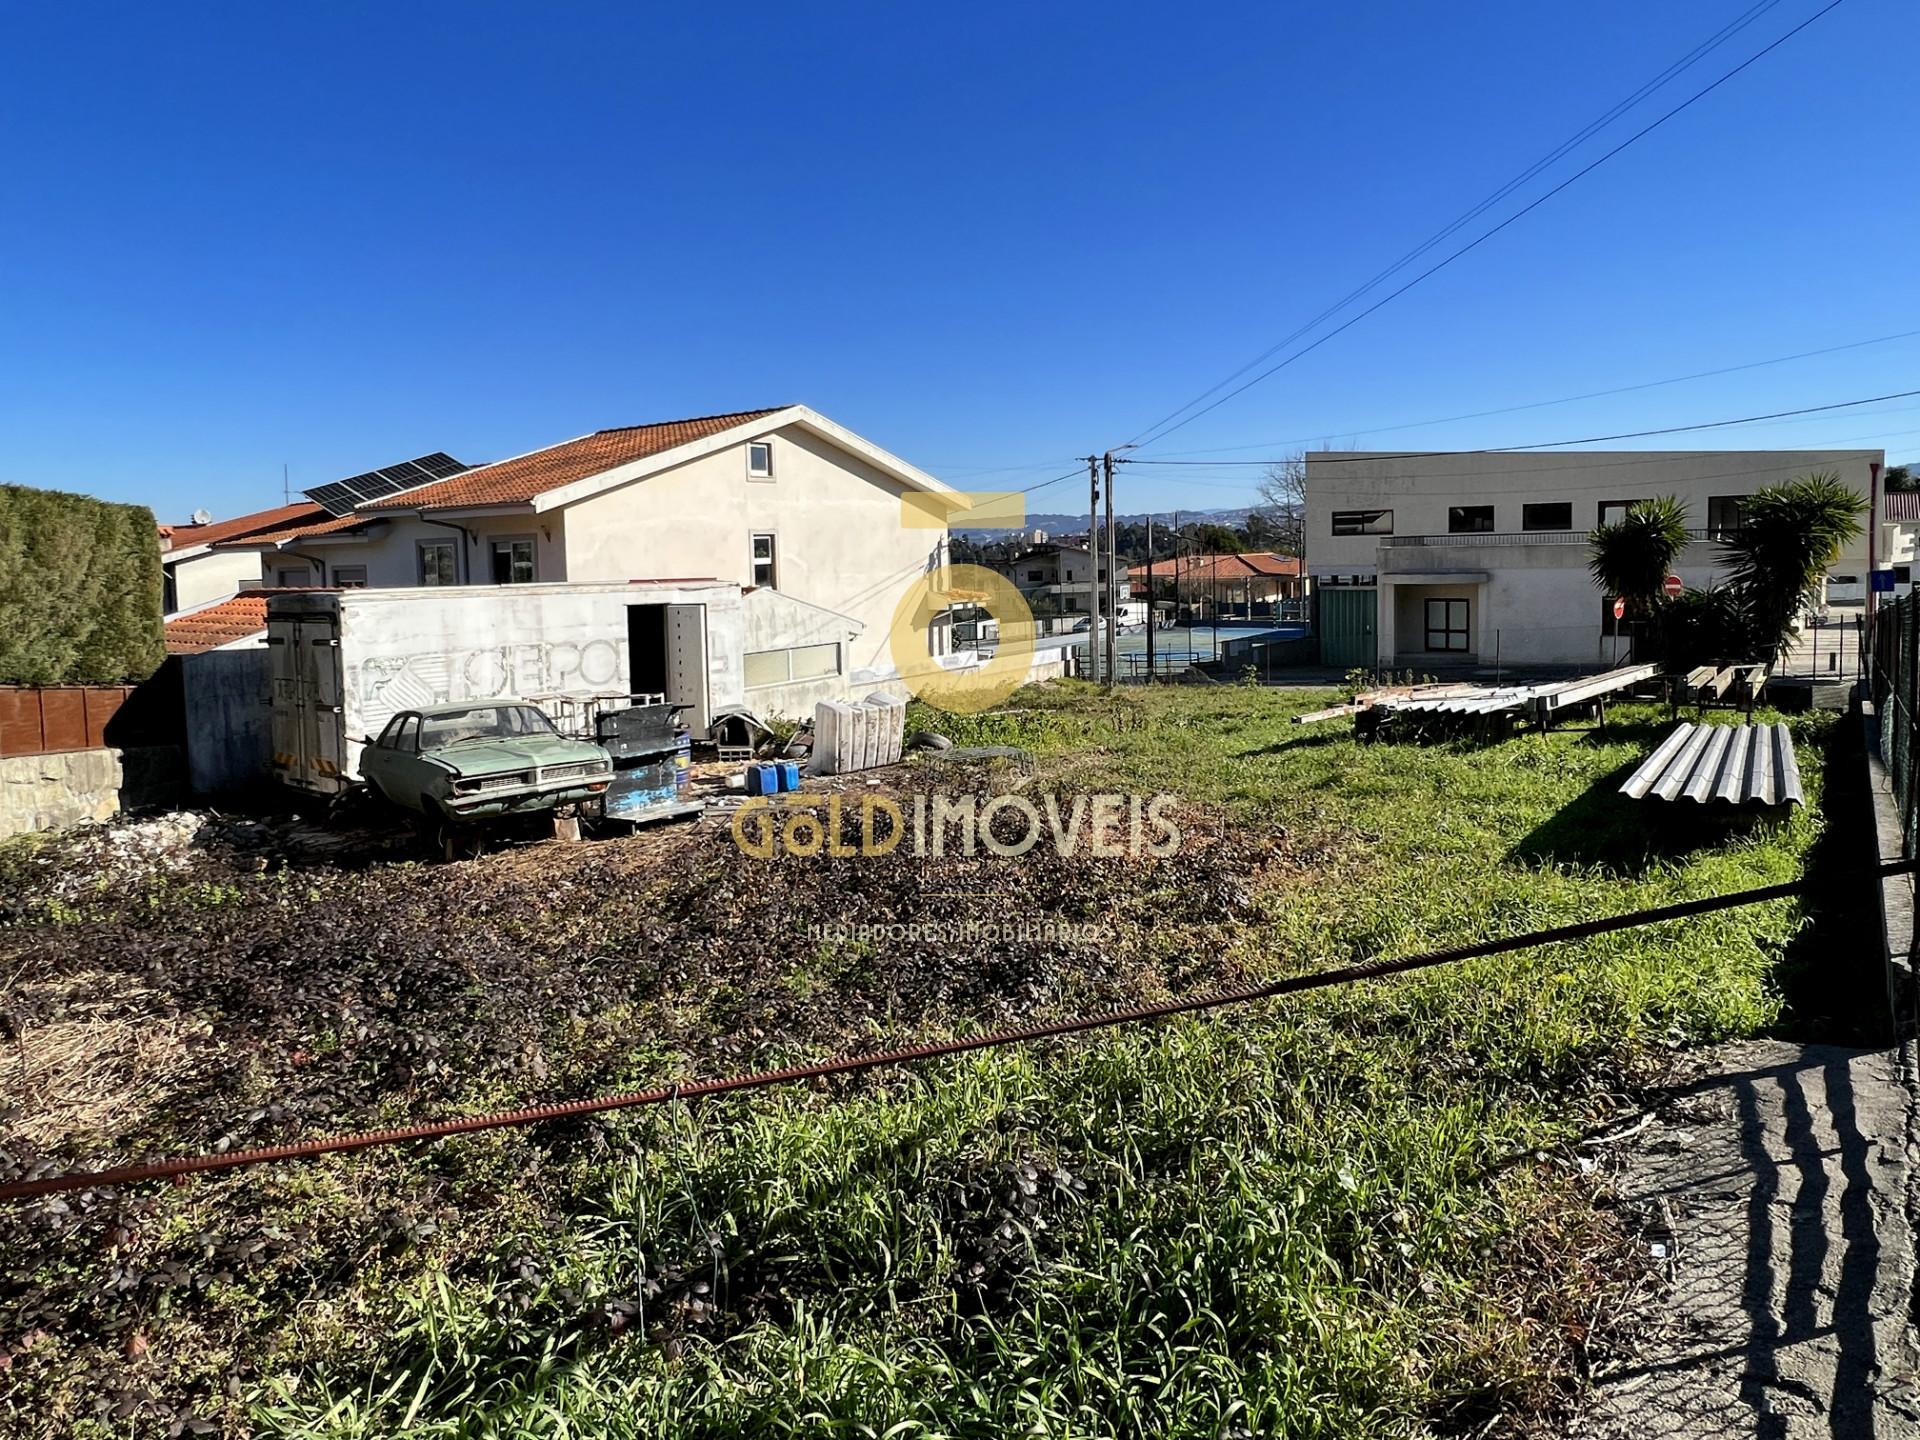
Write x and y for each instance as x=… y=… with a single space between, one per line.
x=1903 y=505
x=224 y=621
x=186 y=536
x=1205 y=569
x=319 y=524
x=518 y=481
x=221 y=623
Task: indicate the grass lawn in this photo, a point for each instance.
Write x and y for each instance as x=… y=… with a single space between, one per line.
x=1354 y=1212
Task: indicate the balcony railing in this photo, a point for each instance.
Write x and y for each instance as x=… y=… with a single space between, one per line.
x=1519 y=537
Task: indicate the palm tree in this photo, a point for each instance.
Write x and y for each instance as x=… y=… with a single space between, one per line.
x=1633 y=556
x=1789 y=536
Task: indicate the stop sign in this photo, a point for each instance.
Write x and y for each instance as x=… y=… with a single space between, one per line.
x=1673 y=586
x=1619 y=608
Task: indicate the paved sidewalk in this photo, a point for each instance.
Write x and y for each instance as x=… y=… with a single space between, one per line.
x=1776 y=1178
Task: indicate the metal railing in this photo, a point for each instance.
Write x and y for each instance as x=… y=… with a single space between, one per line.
x=1520 y=537
x=1893 y=673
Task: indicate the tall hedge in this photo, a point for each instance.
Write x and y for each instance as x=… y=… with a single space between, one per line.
x=79 y=590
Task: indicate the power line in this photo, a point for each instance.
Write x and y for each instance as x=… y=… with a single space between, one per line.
x=1550 y=444
x=1559 y=151
x=1562 y=400
x=857 y=1064
x=1527 y=209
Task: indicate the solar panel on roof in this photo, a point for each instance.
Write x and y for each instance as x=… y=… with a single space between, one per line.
x=344 y=496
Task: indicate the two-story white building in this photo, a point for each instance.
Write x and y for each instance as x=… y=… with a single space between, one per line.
x=1060 y=578
x=792 y=507
x=1472 y=557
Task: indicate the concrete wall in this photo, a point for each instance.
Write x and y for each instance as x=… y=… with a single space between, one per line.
x=839 y=541
x=51 y=792
x=227 y=699
x=1420 y=489
x=1536 y=603
x=212 y=576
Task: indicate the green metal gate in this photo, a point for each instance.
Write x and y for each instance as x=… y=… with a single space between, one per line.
x=1349 y=616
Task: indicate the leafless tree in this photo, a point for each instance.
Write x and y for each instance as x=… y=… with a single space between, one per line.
x=1283 y=503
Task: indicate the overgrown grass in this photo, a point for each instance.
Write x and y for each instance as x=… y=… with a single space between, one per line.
x=1344 y=1214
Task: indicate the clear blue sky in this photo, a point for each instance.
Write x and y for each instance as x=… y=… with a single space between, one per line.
x=985 y=236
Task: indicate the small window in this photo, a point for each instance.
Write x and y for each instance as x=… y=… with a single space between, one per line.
x=513 y=562
x=288 y=578
x=1725 y=514
x=1547 y=515
x=1612 y=512
x=350 y=577
x=439 y=563
x=779 y=667
x=1036 y=577
x=1363 y=522
x=766 y=573
x=1469 y=519
x=1902 y=574
x=1447 y=625
x=760 y=460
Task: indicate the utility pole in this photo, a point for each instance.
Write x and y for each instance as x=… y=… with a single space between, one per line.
x=1093 y=571
x=1153 y=612
x=1111 y=590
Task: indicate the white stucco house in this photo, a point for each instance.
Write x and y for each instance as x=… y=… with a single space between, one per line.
x=1424 y=560
x=805 y=516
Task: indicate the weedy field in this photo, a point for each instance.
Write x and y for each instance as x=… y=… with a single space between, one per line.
x=1354 y=1212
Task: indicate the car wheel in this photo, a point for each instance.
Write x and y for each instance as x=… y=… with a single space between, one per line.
x=460 y=841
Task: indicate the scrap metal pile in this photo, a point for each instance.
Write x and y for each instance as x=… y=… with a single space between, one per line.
x=1486 y=710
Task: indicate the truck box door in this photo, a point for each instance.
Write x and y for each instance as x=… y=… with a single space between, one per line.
x=687 y=665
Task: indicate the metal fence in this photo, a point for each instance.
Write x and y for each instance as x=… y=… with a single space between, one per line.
x=43 y=720
x=1894 y=675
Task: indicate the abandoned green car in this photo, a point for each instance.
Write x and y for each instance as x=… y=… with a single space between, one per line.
x=481 y=759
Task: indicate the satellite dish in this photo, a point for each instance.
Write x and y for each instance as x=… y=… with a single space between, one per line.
x=203 y=517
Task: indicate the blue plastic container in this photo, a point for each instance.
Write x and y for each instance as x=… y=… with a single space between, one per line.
x=789 y=774
x=763 y=780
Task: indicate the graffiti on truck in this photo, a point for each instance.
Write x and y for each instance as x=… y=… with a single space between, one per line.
x=382 y=686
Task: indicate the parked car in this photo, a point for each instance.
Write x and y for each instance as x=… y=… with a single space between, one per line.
x=481 y=759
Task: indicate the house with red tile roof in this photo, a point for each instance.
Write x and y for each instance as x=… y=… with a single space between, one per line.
x=779 y=500
x=200 y=563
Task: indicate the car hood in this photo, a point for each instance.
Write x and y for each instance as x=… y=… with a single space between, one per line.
x=492 y=757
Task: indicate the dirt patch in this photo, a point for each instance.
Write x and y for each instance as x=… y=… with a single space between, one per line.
x=92 y=1072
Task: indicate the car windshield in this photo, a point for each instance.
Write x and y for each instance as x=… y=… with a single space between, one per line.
x=482 y=722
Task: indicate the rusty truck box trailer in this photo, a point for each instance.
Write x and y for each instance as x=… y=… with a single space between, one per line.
x=345 y=662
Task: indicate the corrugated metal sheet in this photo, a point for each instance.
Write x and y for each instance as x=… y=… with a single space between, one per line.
x=1740 y=764
x=1347 y=618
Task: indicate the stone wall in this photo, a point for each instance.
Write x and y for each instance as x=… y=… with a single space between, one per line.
x=50 y=792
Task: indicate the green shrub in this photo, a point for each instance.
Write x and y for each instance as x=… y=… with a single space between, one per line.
x=79 y=589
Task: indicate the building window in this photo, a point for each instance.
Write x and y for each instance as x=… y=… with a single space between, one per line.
x=513 y=561
x=439 y=563
x=760 y=460
x=350 y=577
x=766 y=572
x=1447 y=625
x=1725 y=514
x=1547 y=515
x=1612 y=512
x=1363 y=522
x=287 y=579
x=1036 y=577
x=782 y=667
x=1469 y=519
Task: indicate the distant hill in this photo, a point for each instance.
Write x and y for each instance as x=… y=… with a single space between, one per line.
x=1055 y=523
